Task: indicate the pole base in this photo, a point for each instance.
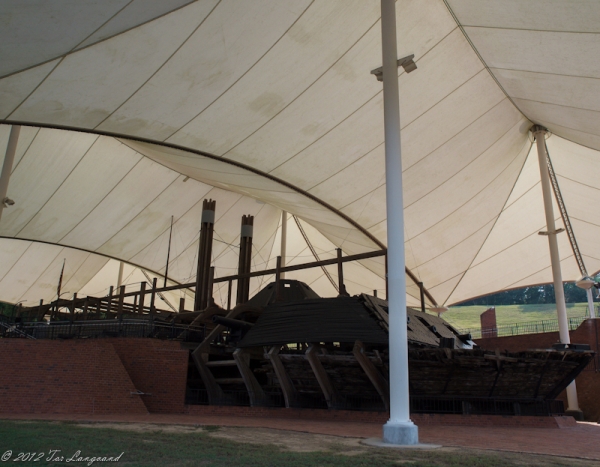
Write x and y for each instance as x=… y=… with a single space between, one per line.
x=401 y=433
x=576 y=414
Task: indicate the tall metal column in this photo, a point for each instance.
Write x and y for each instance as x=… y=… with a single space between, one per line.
x=539 y=133
x=9 y=157
x=590 y=298
x=399 y=429
x=283 y=240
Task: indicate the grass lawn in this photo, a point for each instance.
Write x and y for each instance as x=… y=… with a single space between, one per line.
x=154 y=445
x=467 y=317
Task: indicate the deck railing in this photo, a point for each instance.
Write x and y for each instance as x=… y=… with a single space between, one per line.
x=517 y=329
x=104 y=328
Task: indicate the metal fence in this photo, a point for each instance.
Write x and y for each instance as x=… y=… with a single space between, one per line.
x=102 y=328
x=517 y=329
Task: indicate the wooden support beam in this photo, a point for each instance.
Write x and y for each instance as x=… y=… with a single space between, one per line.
x=255 y=391
x=141 y=301
x=323 y=379
x=379 y=382
x=245 y=259
x=85 y=308
x=41 y=311
x=340 y=266
x=109 y=303
x=204 y=253
x=228 y=294
x=290 y=395
x=278 y=297
x=120 y=305
x=153 y=297
x=182 y=305
x=72 y=307
x=209 y=288
x=270 y=272
x=214 y=391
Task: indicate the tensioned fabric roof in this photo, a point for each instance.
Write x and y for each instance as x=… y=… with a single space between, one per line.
x=270 y=106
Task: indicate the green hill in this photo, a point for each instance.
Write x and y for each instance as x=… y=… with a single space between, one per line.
x=467 y=317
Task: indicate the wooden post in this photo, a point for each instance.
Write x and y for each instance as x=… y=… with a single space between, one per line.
x=40 y=311
x=142 y=293
x=72 y=307
x=182 y=305
x=204 y=253
x=245 y=260
x=85 y=307
x=120 y=305
x=422 y=290
x=109 y=303
x=211 y=279
x=153 y=297
x=340 y=266
x=278 y=297
x=229 y=295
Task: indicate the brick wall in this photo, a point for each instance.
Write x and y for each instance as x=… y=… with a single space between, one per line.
x=298 y=414
x=156 y=367
x=92 y=376
x=588 y=382
x=64 y=377
x=381 y=417
x=487 y=319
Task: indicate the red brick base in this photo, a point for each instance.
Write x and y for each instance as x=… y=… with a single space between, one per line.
x=95 y=376
x=381 y=417
x=99 y=376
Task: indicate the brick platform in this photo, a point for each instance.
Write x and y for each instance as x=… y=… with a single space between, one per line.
x=95 y=376
x=379 y=417
x=156 y=367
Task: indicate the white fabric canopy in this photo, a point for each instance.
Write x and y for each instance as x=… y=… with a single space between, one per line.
x=270 y=106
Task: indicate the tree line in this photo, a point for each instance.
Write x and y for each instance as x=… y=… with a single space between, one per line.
x=535 y=295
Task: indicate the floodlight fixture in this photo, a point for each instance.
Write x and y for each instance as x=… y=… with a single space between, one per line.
x=7 y=202
x=438 y=309
x=586 y=282
x=407 y=63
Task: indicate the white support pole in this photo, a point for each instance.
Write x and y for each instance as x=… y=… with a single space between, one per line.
x=539 y=133
x=282 y=253
x=399 y=429
x=590 y=298
x=120 y=276
x=9 y=158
